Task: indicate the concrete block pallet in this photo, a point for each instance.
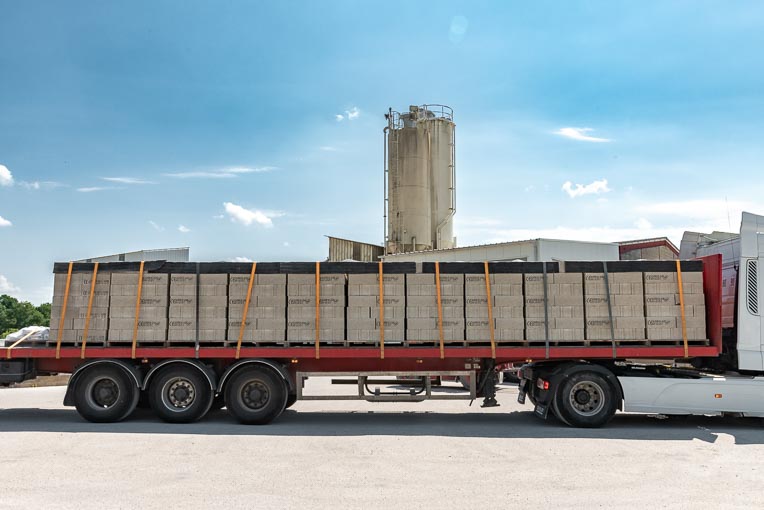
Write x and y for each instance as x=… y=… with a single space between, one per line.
x=190 y=303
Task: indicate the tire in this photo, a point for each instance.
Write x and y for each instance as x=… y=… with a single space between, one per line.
x=255 y=396
x=291 y=399
x=585 y=399
x=180 y=394
x=105 y=394
x=556 y=413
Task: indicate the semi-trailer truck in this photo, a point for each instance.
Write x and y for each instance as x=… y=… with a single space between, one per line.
x=582 y=385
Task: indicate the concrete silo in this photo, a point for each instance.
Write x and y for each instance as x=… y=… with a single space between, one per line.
x=419 y=179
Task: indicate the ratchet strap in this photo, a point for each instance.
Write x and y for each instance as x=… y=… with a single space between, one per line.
x=681 y=306
x=381 y=313
x=440 y=309
x=609 y=305
x=17 y=342
x=318 y=309
x=63 y=311
x=137 y=310
x=89 y=312
x=246 y=308
x=196 y=312
x=490 y=309
x=546 y=311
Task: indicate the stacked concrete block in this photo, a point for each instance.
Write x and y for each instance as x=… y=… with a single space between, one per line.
x=152 y=319
x=422 y=316
x=267 y=313
x=626 y=301
x=301 y=307
x=564 y=307
x=663 y=313
x=77 y=306
x=363 y=310
x=213 y=308
x=506 y=301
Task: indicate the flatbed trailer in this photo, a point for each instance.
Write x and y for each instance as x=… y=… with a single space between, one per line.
x=582 y=385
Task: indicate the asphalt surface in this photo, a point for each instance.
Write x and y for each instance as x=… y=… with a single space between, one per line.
x=363 y=455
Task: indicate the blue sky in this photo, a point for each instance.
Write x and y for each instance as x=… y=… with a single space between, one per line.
x=120 y=122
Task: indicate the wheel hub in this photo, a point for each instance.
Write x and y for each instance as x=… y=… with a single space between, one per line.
x=181 y=393
x=105 y=392
x=587 y=398
x=583 y=397
x=255 y=395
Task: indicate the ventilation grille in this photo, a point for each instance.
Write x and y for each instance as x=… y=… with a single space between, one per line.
x=753 y=287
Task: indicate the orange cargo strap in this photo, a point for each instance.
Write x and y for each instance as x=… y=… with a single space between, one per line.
x=440 y=309
x=63 y=311
x=681 y=306
x=246 y=308
x=17 y=342
x=137 y=310
x=318 y=309
x=490 y=309
x=90 y=309
x=381 y=313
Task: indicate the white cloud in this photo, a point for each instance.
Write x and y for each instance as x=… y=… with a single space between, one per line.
x=350 y=114
x=38 y=185
x=156 y=226
x=127 y=180
x=6 y=178
x=5 y=223
x=286 y=244
x=328 y=148
x=93 y=189
x=219 y=216
x=183 y=229
x=643 y=224
x=240 y=259
x=579 y=190
x=353 y=113
x=578 y=133
x=221 y=173
x=239 y=214
x=7 y=287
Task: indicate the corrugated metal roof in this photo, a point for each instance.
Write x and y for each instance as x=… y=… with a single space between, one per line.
x=505 y=243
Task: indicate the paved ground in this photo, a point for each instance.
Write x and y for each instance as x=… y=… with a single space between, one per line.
x=361 y=455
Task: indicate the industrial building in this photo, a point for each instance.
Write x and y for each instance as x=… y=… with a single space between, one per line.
x=168 y=254
x=533 y=250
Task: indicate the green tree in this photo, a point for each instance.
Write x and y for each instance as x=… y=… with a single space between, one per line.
x=15 y=314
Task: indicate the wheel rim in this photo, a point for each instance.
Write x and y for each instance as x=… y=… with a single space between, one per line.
x=103 y=393
x=178 y=394
x=255 y=394
x=587 y=398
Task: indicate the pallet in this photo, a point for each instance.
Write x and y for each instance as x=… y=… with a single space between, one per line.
x=322 y=343
x=251 y=344
x=90 y=343
x=671 y=342
x=129 y=343
x=191 y=343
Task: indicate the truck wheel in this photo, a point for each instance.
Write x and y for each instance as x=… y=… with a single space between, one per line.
x=180 y=394
x=291 y=399
x=105 y=394
x=585 y=399
x=255 y=396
